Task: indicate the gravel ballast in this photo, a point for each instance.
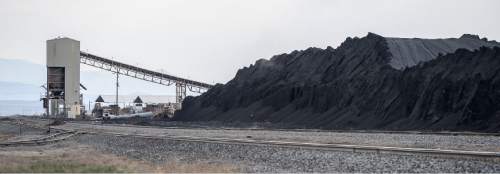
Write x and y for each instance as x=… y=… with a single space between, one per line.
x=269 y=158
x=431 y=141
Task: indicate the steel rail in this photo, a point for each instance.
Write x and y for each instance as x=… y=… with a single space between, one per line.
x=443 y=133
x=320 y=146
x=41 y=141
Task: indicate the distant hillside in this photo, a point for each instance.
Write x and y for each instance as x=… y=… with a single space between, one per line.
x=19 y=98
x=21 y=80
x=19 y=91
x=21 y=71
x=372 y=82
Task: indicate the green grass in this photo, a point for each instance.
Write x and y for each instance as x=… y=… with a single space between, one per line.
x=59 y=167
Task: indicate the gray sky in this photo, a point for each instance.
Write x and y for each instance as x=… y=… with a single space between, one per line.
x=208 y=40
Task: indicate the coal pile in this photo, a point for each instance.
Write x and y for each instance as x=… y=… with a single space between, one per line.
x=372 y=82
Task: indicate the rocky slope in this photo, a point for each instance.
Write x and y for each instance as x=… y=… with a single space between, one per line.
x=366 y=83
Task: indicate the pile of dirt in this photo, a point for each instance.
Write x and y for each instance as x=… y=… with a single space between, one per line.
x=372 y=82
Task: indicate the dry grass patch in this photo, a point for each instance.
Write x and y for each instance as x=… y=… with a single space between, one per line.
x=4 y=137
x=75 y=158
x=79 y=159
x=58 y=167
x=197 y=167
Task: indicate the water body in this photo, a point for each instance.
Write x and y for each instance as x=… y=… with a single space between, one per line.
x=20 y=107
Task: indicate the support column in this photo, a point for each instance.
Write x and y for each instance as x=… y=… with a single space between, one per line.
x=180 y=94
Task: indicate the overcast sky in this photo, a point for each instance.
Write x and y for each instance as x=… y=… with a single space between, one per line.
x=209 y=40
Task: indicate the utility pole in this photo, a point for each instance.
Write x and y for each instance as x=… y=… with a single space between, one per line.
x=89 y=110
x=117 y=85
x=46 y=98
x=20 y=128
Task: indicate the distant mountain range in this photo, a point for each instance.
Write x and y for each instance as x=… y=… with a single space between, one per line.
x=20 y=87
x=24 y=72
x=21 y=80
x=19 y=91
x=373 y=82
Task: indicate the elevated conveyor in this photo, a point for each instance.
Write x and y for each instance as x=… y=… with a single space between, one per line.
x=143 y=74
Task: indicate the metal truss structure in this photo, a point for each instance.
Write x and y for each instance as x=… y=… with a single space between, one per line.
x=144 y=74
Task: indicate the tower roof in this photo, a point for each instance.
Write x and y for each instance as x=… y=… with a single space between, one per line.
x=99 y=99
x=138 y=100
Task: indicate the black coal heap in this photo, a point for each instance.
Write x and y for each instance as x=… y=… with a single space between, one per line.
x=365 y=83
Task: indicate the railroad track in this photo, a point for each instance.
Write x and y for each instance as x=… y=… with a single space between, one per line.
x=59 y=135
x=306 y=130
x=41 y=141
x=320 y=146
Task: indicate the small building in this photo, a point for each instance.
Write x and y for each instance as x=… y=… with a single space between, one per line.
x=98 y=110
x=137 y=105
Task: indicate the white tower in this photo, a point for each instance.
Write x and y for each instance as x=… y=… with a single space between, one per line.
x=63 y=77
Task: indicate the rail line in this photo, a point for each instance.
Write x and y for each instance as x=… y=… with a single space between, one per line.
x=60 y=135
x=41 y=141
x=305 y=130
x=320 y=146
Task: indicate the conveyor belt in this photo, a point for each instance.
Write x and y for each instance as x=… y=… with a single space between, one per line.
x=141 y=73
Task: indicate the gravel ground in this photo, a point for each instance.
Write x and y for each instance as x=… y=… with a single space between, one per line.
x=458 y=142
x=269 y=158
x=266 y=158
